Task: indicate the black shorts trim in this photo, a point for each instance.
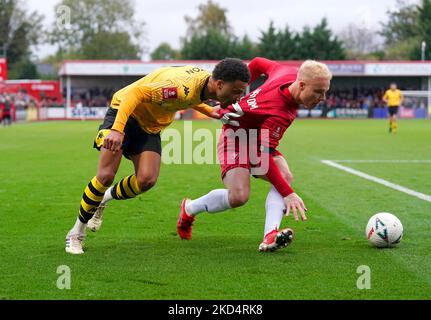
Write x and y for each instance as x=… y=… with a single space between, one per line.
x=136 y=140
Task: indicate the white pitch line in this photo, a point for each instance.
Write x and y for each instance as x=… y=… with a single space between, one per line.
x=382 y=161
x=388 y=184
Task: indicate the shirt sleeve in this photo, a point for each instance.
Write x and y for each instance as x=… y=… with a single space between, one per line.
x=272 y=130
x=275 y=177
x=204 y=109
x=155 y=93
x=260 y=66
x=132 y=98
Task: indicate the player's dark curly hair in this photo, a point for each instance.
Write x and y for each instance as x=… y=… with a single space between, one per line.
x=230 y=70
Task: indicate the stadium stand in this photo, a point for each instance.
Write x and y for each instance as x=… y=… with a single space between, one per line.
x=85 y=88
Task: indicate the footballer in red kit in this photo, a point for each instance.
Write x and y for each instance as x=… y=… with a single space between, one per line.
x=253 y=128
x=269 y=108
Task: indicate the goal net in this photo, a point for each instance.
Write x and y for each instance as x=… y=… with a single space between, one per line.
x=416 y=104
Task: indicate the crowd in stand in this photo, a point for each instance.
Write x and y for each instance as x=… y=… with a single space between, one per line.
x=361 y=99
x=356 y=99
x=10 y=103
x=6 y=109
x=94 y=97
x=23 y=101
x=19 y=100
x=364 y=99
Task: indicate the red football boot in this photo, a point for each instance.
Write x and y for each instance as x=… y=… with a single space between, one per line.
x=277 y=240
x=185 y=223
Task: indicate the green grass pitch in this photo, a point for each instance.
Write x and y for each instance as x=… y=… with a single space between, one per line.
x=44 y=168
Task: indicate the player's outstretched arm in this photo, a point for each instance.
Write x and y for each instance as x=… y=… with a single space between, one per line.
x=212 y=112
x=294 y=203
x=133 y=97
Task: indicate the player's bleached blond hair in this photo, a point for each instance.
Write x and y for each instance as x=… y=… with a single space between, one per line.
x=312 y=69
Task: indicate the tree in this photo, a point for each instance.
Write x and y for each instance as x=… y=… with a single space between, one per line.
x=243 y=48
x=269 y=43
x=402 y=50
x=209 y=35
x=401 y=33
x=110 y=45
x=405 y=30
x=165 y=52
x=360 y=42
x=320 y=44
x=277 y=45
x=210 y=46
x=97 y=29
x=402 y=23
x=24 y=69
x=211 y=17
x=287 y=44
x=19 y=31
x=424 y=30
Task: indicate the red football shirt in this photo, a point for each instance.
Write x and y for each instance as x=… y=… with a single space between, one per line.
x=270 y=106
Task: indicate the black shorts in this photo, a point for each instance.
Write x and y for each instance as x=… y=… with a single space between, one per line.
x=393 y=111
x=136 y=140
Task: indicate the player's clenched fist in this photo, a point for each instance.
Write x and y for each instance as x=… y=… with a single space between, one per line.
x=113 y=141
x=294 y=203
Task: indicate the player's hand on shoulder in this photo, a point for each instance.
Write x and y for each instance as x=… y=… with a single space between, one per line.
x=114 y=141
x=294 y=204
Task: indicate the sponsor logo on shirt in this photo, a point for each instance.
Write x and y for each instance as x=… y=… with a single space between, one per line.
x=252 y=102
x=186 y=91
x=170 y=93
x=276 y=134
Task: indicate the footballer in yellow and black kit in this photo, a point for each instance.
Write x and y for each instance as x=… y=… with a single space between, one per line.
x=144 y=108
x=393 y=97
x=137 y=115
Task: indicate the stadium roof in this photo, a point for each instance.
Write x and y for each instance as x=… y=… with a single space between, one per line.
x=339 y=68
x=123 y=68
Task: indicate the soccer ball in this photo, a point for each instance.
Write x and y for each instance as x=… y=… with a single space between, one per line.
x=384 y=230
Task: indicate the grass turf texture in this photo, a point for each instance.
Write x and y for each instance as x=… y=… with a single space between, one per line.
x=137 y=254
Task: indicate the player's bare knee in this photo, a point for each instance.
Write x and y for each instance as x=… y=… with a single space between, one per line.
x=106 y=178
x=238 y=198
x=146 y=182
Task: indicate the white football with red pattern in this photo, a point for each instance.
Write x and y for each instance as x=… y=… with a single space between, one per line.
x=384 y=230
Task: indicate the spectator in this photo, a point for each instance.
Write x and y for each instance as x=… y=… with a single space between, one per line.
x=7 y=111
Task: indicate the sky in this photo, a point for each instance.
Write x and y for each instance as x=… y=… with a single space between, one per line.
x=165 y=18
